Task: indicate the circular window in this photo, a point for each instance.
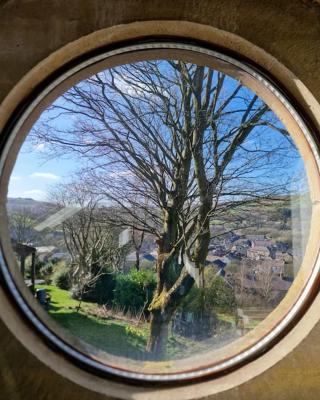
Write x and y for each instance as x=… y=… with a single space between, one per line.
x=159 y=202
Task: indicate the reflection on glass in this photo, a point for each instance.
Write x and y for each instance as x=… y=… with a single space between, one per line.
x=159 y=210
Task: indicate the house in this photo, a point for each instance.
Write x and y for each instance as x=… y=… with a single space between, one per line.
x=219 y=264
x=219 y=251
x=255 y=237
x=261 y=243
x=61 y=255
x=45 y=252
x=242 y=241
x=147 y=261
x=278 y=267
x=280 y=255
x=277 y=284
x=239 y=249
x=258 y=252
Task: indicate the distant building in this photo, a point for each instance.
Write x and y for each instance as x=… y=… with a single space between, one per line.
x=282 y=246
x=277 y=284
x=147 y=261
x=220 y=251
x=45 y=252
x=280 y=255
x=261 y=243
x=255 y=237
x=258 y=252
x=61 y=255
x=219 y=264
x=229 y=258
x=240 y=249
x=242 y=241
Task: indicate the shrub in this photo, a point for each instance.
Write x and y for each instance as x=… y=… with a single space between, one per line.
x=134 y=290
x=197 y=314
x=195 y=317
x=61 y=279
x=218 y=296
x=100 y=292
x=46 y=272
x=38 y=265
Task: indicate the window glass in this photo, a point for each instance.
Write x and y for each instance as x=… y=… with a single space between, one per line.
x=159 y=211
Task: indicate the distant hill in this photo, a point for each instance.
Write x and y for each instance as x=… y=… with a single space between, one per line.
x=39 y=209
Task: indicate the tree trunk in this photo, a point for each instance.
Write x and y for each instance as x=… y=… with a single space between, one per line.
x=137 y=260
x=160 y=316
x=165 y=302
x=159 y=331
x=169 y=294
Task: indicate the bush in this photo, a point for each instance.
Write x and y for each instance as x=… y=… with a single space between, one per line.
x=134 y=290
x=46 y=272
x=61 y=279
x=38 y=265
x=220 y=296
x=100 y=292
x=195 y=317
x=197 y=314
x=216 y=297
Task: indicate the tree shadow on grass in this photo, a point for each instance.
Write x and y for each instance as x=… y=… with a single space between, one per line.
x=113 y=337
x=53 y=307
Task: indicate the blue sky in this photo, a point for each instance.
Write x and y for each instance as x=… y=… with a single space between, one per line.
x=33 y=173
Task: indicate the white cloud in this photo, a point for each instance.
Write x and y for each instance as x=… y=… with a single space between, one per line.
x=36 y=194
x=39 y=147
x=15 y=178
x=44 y=175
x=120 y=173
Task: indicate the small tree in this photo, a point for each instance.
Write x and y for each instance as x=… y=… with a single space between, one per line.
x=61 y=278
x=21 y=225
x=92 y=245
x=265 y=277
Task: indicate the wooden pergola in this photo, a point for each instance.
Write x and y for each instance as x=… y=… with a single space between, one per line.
x=23 y=251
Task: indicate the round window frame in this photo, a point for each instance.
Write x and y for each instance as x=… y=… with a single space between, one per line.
x=202 y=373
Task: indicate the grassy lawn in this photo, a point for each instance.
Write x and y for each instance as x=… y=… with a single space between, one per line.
x=113 y=336
x=230 y=318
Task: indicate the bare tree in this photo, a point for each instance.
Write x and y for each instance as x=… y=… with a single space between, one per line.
x=242 y=276
x=171 y=145
x=21 y=224
x=92 y=245
x=265 y=277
